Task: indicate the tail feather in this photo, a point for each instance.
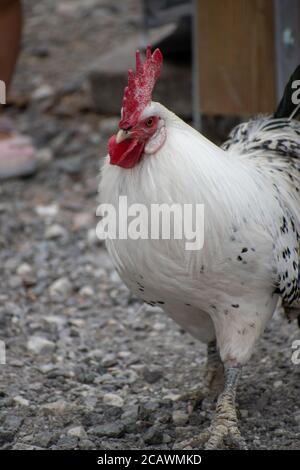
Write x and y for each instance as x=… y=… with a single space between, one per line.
x=286 y=107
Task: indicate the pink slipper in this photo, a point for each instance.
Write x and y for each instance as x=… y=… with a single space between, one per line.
x=17 y=154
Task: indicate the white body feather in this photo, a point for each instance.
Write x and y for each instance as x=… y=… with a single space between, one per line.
x=225 y=290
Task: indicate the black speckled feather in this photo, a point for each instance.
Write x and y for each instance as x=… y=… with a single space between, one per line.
x=274 y=146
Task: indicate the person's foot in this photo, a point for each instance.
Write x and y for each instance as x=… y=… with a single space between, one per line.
x=17 y=154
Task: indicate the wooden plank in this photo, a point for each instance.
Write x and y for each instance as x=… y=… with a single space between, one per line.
x=236 y=56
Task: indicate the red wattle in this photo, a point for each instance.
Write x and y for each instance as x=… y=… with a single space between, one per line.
x=125 y=154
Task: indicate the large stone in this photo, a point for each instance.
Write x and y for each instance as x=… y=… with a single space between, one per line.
x=108 y=78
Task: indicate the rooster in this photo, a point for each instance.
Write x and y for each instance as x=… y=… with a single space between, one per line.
x=225 y=293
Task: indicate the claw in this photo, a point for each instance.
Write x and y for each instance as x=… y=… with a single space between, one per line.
x=215 y=436
x=238 y=441
x=219 y=433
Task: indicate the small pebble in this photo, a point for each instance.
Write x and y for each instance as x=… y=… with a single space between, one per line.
x=152 y=376
x=55 y=231
x=113 y=400
x=108 y=430
x=180 y=417
x=87 y=291
x=40 y=345
x=47 y=211
x=77 y=431
x=60 y=287
x=21 y=401
x=153 y=436
x=109 y=360
x=57 y=407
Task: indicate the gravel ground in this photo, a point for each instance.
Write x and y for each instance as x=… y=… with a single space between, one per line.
x=87 y=365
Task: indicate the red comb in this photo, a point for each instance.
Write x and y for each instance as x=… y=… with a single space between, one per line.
x=138 y=92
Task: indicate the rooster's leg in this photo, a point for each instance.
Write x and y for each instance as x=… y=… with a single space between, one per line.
x=214 y=375
x=224 y=426
x=213 y=379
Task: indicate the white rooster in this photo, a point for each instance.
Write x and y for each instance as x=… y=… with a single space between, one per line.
x=225 y=293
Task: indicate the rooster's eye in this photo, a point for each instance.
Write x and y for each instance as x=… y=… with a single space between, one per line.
x=149 y=122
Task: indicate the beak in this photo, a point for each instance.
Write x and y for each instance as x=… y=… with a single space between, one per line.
x=122 y=135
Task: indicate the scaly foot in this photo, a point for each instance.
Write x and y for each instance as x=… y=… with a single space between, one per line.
x=223 y=430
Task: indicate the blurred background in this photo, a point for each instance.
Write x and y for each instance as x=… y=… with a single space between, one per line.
x=87 y=367
x=222 y=59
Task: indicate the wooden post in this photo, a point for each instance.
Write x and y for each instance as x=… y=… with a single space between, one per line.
x=236 y=56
